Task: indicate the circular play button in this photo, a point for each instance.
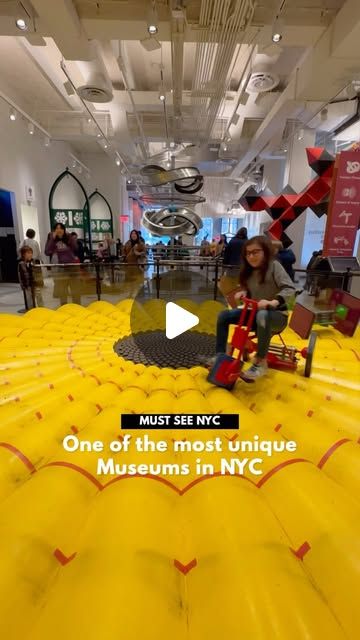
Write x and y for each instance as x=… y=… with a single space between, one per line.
x=178 y=332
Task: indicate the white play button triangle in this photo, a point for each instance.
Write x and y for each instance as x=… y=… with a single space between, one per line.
x=178 y=320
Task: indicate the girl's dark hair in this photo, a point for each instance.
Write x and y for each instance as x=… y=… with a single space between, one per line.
x=24 y=250
x=242 y=233
x=30 y=234
x=246 y=269
x=137 y=237
x=65 y=238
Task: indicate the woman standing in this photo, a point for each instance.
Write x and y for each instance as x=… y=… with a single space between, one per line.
x=134 y=249
x=134 y=253
x=64 y=247
x=262 y=279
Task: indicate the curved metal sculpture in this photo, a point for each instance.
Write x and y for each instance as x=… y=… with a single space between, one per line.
x=172 y=222
x=151 y=199
x=187 y=180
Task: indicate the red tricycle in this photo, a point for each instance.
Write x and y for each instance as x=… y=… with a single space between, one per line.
x=227 y=368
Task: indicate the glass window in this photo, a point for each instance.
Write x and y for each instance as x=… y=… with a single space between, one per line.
x=206 y=232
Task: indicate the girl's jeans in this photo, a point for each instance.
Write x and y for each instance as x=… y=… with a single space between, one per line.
x=266 y=323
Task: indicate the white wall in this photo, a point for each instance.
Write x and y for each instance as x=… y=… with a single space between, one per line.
x=298 y=175
x=25 y=161
x=106 y=177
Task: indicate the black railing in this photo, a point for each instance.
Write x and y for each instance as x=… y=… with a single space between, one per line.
x=159 y=278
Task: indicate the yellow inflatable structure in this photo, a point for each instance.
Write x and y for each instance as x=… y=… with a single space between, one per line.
x=85 y=556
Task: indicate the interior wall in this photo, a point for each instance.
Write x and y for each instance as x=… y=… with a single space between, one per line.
x=298 y=174
x=105 y=176
x=24 y=162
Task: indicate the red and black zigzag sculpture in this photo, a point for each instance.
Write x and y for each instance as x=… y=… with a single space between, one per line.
x=289 y=205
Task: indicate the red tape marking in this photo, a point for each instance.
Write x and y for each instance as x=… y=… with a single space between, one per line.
x=74 y=429
x=336 y=342
x=70 y=397
x=232 y=437
x=74 y=467
x=63 y=559
x=19 y=455
x=149 y=476
x=310 y=413
x=280 y=466
x=38 y=415
x=278 y=427
x=330 y=451
x=301 y=551
x=217 y=474
x=185 y=568
x=115 y=383
x=99 y=407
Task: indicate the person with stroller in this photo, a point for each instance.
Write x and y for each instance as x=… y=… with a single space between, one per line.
x=265 y=280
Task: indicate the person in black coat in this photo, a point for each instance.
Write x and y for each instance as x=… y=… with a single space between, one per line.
x=287 y=258
x=232 y=252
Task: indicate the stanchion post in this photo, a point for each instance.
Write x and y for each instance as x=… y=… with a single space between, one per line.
x=157 y=278
x=98 y=281
x=216 y=279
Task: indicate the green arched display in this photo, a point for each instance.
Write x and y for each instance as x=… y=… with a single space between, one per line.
x=74 y=219
x=101 y=225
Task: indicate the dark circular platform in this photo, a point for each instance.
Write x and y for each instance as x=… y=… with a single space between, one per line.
x=154 y=348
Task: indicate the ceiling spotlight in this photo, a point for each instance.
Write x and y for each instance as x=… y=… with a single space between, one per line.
x=12 y=115
x=105 y=145
x=98 y=135
x=21 y=24
x=168 y=164
x=152 y=29
x=73 y=164
x=301 y=134
x=128 y=181
x=277 y=30
x=162 y=96
x=47 y=141
x=118 y=162
x=89 y=120
x=31 y=128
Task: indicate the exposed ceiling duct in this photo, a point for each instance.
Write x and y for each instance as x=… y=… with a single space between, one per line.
x=224 y=24
x=262 y=80
x=97 y=87
x=323 y=74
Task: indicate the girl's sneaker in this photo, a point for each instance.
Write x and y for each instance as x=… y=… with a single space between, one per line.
x=256 y=371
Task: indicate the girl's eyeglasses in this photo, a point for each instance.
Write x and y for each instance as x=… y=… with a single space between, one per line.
x=255 y=252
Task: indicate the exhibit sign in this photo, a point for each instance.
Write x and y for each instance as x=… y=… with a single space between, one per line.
x=101 y=225
x=344 y=210
x=71 y=218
